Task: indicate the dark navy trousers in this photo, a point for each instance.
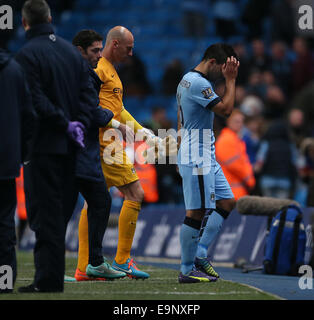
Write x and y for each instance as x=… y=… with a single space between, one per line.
x=7 y=226
x=50 y=194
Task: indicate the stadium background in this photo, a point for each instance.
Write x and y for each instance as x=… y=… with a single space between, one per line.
x=276 y=74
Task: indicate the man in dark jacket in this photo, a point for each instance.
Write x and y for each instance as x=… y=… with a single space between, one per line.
x=62 y=96
x=16 y=118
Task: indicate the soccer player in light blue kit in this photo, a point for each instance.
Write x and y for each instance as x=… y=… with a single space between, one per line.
x=205 y=187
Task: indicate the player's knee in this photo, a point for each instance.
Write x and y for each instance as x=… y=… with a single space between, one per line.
x=133 y=192
x=197 y=215
x=224 y=207
x=140 y=195
x=224 y=213
x=231 y=204
x=137 y=194
x=226 y=204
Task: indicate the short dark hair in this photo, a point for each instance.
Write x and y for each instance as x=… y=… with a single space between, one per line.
x=85 y=38
x=220 y=52
x=36 y=12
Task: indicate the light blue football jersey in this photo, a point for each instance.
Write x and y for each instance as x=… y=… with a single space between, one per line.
x=195 y=98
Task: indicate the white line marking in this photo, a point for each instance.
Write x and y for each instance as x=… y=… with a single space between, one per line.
x=170 y=293
x=257 y=289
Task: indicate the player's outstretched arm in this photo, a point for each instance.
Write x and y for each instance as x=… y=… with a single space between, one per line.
x=141 y=132
x=230 y=72
x=128 y=126
x=166 y=146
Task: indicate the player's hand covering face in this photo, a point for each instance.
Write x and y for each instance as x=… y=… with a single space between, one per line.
x=230 y=68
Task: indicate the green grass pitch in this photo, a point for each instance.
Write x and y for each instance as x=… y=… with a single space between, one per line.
x=162 y=285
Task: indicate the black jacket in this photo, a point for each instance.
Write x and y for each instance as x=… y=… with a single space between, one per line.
x=278 y=162
x=16 y=116
x=61 y=90
x=88 y=164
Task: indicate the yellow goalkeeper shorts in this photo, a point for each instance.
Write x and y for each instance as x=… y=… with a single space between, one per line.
x=118 y=170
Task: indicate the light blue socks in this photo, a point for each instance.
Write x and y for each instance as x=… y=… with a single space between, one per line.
x=213 y=226
x=189 y=237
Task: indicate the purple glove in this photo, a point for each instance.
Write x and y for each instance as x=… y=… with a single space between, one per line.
x=75 y=131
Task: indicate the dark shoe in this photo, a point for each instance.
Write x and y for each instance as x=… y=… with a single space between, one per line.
x=195 y=276
x=28 y=289
x=204 y=265
x=6 y=291
x=32 y=289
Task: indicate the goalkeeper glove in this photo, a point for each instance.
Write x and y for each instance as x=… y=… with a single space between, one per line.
x=164 y=147
x=147 y=136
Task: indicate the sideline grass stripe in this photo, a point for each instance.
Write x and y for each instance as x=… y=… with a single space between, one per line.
x=173 y=293
x=162 y=285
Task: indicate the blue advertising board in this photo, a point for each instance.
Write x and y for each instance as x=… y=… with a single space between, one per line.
x=158 y=232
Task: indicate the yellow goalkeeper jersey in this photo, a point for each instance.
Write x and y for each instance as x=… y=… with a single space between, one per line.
x=110 y=95
x=111 y=91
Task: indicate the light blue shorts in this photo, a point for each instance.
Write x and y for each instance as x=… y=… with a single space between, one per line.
x=201 y=191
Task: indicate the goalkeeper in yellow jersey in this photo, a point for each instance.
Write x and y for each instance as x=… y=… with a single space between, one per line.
x=117 y=168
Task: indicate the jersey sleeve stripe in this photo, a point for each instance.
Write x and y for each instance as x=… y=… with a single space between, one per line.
x=213 y=102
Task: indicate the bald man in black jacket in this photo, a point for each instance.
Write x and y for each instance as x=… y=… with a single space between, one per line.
x=63 y=97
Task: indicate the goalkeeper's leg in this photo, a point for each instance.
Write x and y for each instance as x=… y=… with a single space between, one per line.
x=83 y=248
x=131 y=207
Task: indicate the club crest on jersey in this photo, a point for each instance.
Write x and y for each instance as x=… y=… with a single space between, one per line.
x=116 y=90
x=207 y=93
